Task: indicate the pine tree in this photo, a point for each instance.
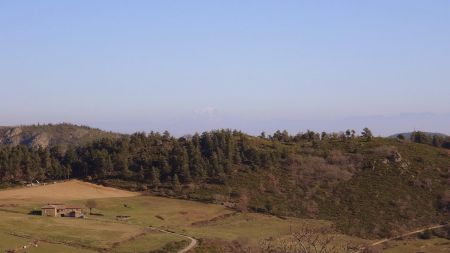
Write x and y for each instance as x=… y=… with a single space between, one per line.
x=366 y=133
x=140 y=174
x=196 y=162
x=184 y=166
x=207 y=145
x=176 y=183
x=155 y=177
x=437 y=141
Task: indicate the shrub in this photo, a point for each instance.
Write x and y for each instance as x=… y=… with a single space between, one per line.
x=425 y=235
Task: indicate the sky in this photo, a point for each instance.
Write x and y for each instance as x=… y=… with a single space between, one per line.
x=190 y=66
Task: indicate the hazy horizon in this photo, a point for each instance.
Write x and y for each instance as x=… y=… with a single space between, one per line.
x=255 y=66
x=398 y=124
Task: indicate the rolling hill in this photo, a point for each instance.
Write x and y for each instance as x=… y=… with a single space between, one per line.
x=51 y=135
x=408 y=135
x=371 y=187
x=147 y=230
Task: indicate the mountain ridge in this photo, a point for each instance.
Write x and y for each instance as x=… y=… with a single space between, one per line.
x=49 y=135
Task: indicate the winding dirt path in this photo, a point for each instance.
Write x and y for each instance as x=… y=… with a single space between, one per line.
x=404 y=235
x=189 y=247
x=408 y=234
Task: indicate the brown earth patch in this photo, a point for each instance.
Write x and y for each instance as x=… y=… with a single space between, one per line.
x=69 y=190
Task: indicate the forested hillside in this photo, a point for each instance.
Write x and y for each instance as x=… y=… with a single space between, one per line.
x=368 y=186
x=51 y=135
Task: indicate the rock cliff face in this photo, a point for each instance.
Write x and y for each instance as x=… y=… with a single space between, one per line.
x=39 y=140
x=51 y=135
x=10 y=136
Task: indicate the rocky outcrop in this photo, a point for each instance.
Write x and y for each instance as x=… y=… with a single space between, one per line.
x=51 y=135
x=40 y=140
x=11 y=136
x=395 y=157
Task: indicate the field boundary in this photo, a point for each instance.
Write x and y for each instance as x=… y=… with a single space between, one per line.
x=214 y=219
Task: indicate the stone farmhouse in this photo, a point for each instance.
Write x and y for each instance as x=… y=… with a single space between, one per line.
x=62 y=210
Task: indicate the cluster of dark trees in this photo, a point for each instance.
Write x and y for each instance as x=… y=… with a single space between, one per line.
x=430 y=139
x=283 y=136
x=155 y=158
x=21 y=163
x=151 y=158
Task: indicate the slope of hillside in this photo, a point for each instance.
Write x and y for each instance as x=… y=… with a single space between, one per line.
x=156 y=224
x=370 y=187
x=51 y=135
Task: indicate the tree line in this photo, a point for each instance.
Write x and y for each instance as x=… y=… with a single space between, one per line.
x=156 y=158
x=435 y=140
x=151 y=158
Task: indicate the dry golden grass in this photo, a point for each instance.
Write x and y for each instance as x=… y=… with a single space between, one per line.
x=103 y=231
x=69 y=190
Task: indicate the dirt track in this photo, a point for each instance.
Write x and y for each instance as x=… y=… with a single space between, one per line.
x=191 y=245
x=69 y=190
x=404 y=235
x=409 y=233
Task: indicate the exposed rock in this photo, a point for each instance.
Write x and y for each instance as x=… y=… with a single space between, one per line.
x=12 y=136
x=395 y=157
x=404 y=165
x=40 y=140
x=13 y=132
x=51 y=135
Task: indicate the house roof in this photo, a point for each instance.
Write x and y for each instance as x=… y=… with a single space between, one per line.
x=73 y=207
x=60 y=206
x=48 y=207
x=53 y=206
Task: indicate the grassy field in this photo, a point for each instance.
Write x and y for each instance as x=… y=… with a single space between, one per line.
x=16 y=243
x=69 y=190
x=101 y=232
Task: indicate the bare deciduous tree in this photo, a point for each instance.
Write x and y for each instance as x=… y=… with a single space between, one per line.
x=309 y=240
x=91 y=204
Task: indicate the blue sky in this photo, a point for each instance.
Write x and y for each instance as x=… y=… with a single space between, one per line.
x=190 y=66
